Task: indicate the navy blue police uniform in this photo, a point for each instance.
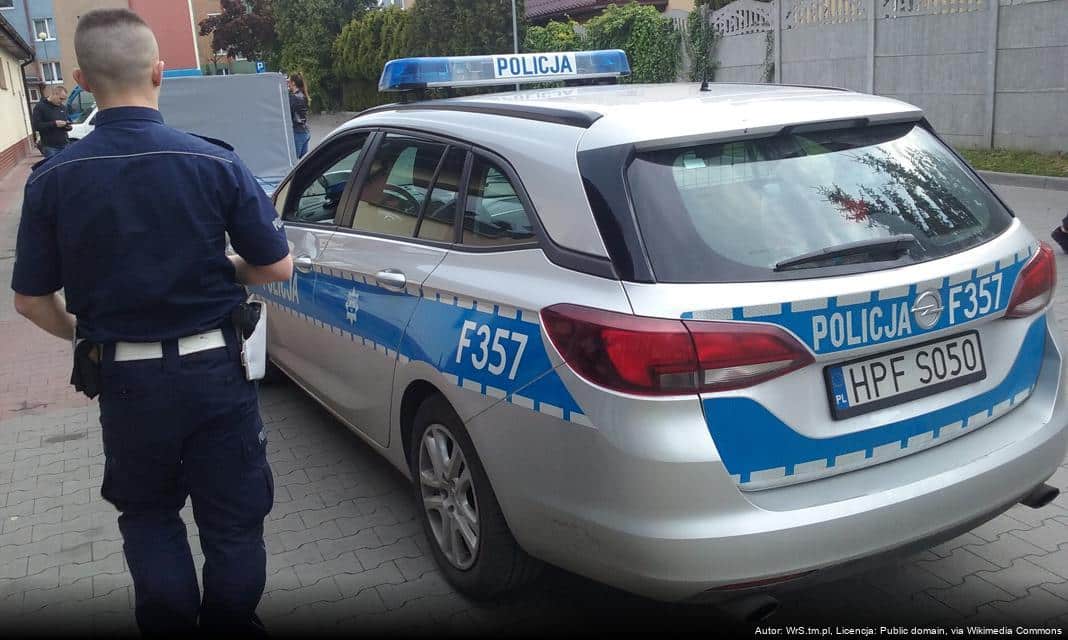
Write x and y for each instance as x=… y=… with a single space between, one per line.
x=131 y=223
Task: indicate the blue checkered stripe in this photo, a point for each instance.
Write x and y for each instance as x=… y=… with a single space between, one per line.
x=842 y=323
x=760 y=451
x=426 y=325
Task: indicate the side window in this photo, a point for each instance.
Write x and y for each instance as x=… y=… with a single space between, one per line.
x=494 y=214
x=396 y=186
x=318 y=188
x=439 y=217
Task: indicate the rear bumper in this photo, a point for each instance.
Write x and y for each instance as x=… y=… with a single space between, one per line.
x=673 y=530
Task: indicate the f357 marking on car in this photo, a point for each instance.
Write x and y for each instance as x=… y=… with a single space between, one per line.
x=480 y=359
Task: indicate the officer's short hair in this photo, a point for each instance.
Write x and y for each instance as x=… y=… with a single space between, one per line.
x=115 y=48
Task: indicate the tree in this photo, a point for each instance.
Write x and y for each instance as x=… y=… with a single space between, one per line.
x=244 y=28
x=650 y=40
x=554 y=36
x=463 y=27
x=307 y=30
x=368 y=42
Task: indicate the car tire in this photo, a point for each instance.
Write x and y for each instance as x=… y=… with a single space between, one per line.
x=497 y=564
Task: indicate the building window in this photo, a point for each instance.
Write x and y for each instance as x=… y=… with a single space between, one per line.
x=52 y=73
x=47 y=26
x=7 y=4
x=35 y=95
x=3 y=76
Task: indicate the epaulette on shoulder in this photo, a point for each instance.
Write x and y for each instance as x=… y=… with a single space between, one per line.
x=37 y=164
x=214 y=141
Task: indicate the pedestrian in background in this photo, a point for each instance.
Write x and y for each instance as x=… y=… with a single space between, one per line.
x=50 y=121
x=132 y=225
x=1060 y=234
x=298 y=108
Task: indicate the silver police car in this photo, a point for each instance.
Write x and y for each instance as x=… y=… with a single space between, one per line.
x=682 y=340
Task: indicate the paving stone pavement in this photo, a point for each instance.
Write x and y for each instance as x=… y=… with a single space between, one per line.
x=346 y=553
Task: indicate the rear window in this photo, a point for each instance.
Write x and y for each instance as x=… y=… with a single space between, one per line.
x=733 y=211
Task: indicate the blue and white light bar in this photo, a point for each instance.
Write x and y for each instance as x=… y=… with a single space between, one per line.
x=509 y=68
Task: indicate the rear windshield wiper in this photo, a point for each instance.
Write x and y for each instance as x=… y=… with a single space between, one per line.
x=876 y=250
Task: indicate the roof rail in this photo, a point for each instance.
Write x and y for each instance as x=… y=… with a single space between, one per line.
x=568 y=117
x=779 y=84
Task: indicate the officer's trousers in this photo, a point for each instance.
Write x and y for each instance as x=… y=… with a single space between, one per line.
x=178 y=427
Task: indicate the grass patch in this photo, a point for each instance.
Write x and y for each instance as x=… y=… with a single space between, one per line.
x=1009 y=161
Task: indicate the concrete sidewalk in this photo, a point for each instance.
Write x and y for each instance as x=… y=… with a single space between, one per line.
x=346 y=552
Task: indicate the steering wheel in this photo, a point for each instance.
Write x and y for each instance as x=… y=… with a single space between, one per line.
x=401 y=194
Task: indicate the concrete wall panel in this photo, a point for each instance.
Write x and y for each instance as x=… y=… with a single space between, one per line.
x=1038 y=24
x=746 y=49
x=943 y=73
x=1032 y=120
x=1033 y=69
x=740 y=74
x=847 y=73
x=931 y=34
x=824 y=42
x=956 y=114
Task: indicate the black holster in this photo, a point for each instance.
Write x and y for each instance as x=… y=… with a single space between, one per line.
x=85 y=375
x=245 y=316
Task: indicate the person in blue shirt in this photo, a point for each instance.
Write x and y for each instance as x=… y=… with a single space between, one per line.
x=132 y=224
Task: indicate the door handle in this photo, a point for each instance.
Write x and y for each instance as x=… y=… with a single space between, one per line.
x=303 y=264
x=391 y=279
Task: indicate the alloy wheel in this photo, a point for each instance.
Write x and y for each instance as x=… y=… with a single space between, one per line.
x=449 y=496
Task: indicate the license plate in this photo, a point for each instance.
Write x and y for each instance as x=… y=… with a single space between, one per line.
x=894 y=377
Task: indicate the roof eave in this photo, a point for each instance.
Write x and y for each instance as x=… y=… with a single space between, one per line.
x=14 y=43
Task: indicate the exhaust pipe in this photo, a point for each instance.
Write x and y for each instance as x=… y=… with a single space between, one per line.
x=1040 y=496
x=752 y=609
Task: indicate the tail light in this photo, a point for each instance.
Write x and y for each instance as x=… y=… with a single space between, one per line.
x=653 y=356
x=1034 y=286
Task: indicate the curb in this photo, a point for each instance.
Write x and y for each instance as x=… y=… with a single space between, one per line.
x=1024 y=180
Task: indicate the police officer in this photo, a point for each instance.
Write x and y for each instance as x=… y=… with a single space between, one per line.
x=130 y=222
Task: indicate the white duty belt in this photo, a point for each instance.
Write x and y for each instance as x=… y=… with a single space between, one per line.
x=127 y=351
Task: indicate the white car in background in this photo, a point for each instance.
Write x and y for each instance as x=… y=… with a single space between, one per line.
x=83 y=127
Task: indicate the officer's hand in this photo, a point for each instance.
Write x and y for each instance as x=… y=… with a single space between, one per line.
x=61 y=123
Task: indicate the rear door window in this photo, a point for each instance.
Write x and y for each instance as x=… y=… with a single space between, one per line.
x=494 y=214
x=733 y=211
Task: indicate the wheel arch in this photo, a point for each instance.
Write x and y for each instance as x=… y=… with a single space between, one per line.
x=415 y=394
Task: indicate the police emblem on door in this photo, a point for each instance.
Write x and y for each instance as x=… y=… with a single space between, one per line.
x=352 y=306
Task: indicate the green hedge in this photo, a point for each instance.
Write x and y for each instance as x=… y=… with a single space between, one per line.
x=368 y=42
x=650 y=41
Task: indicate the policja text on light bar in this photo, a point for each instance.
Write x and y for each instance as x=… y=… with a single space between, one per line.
x=510 y=68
